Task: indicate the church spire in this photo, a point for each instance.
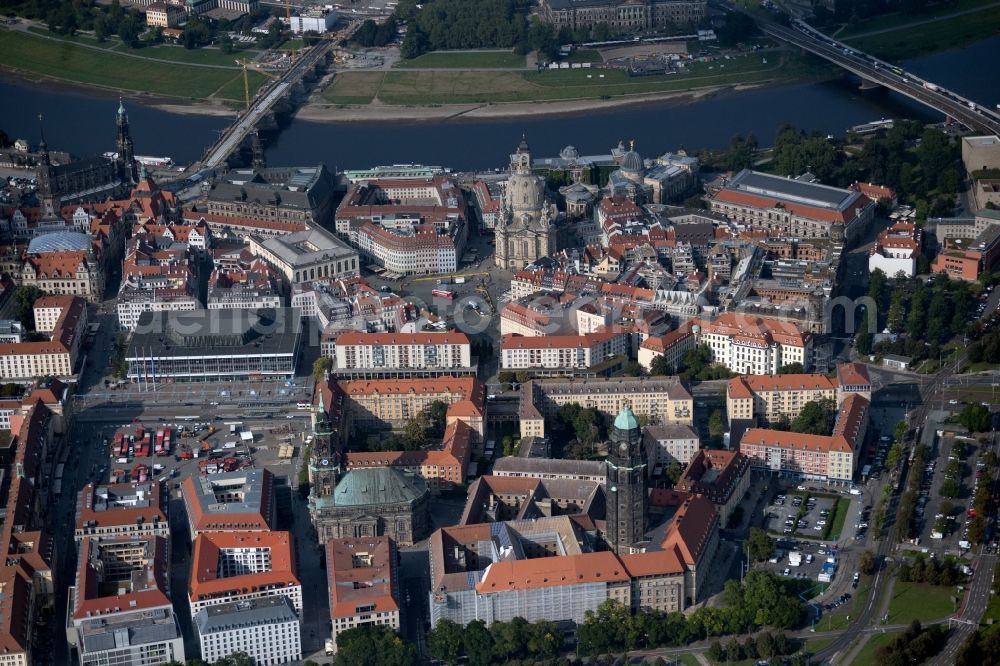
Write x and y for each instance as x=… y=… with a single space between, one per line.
x=43 y=148
x=127 y=170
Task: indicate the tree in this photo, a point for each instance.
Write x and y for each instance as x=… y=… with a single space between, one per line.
x=816 y=418
x=374 y=645
x=523 y=376
x=321 y=367
x=506 y=377
x=632 y=369
x=444 y=641
x=791 y=369
x=24 y=305
x=975 y=417
x=765 y=645
x=129 y=30
x=478 y=643
x=867 y=563
x=659 y=366
x=759 y=544
x=716 y=426
x=437 y=412
x=236 y=659
x=672 y=473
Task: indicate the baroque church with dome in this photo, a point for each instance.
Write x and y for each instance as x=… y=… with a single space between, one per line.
x=527 y=228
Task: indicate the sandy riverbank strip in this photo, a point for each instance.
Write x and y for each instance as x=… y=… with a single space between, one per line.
x=376 y=112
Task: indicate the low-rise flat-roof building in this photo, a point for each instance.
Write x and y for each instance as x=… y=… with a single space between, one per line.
x=240 y=501
x=253 y=289
x=267 y=629
x=966 y=261
x=232 y=566
x=301 y=256
x=214 y=345
x=363 y=580
x=793 y=206
x=121 y=509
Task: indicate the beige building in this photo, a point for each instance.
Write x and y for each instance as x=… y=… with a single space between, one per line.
x=562 y=354
x=622 y=16
x=164 y=15
x=660 y=400
x=70 y=273
x=378 y=404
x=769 y=397
x=526 y=223
x=385 y=355
x=55 y=357
x=302 y=256
x=669 y=443
x=980 y=152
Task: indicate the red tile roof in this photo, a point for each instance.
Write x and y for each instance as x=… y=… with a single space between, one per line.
x=206 y=582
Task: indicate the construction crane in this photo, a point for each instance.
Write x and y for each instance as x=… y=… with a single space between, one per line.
x=246 y=78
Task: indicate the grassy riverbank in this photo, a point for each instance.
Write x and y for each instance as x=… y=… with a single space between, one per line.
x=424 y=88
x=485 y=59
x=113 y=66
x=896 y=37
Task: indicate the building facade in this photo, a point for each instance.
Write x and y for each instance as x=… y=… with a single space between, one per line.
x=767 y=398
x=265 y=629
x=752 y=345
x=526 y=225
x=562 y=354
x=363 y=580
x=793 y=206
x=383 y=355
x=622 y=16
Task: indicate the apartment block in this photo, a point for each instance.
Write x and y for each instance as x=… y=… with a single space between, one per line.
x=752 y=345
x=363 y=581
x=562 y=354
x=231 y=567
x=386 y=355
x=267 y=629
x=122 y=509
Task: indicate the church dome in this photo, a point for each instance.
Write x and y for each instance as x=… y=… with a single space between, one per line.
x=525 y=192
x=632 y=162
x=569 y=153
x=626 y=420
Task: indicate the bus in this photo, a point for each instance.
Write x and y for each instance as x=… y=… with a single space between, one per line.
x=443 y=293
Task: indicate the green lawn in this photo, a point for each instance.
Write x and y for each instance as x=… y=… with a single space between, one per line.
x=919 y=601
x=842 y=507
x=202 y=56
x=900 y=20
x=470 y=87
x=866 y=657
x=938 y=36
x=464 y=60
x=234 y=88
x=584 y=55
x=353 y=87
x=816 y=644
x=69 y=62
x=686 y=659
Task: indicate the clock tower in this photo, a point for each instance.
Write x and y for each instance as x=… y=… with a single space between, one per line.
x=626 y=484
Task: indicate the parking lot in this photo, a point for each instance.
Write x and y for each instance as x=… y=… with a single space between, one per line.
x=800 y=514
x=797 y=558
x=944 y=520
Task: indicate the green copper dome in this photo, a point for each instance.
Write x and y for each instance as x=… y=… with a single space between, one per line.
x=626 y=420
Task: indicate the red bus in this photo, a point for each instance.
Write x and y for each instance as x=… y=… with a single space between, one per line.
x=443 y=293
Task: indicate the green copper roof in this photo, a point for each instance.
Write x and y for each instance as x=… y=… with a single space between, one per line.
x=378 y=486
x=626 y=420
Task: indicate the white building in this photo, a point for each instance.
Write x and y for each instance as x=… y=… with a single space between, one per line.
x=418 y=250
x=896 y=250
x=266 y=629
x=751 y=345
x=669 y=443
x=561 y=354
x=314 y=20
x=384 y=354
x=133 y=302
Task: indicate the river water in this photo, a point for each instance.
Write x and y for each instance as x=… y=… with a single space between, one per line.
x=83 y=122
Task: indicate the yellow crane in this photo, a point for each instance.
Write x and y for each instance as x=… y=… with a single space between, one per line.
x=246 y=78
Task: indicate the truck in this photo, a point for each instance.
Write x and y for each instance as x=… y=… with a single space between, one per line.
x=459 y=280
x=795 y=559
